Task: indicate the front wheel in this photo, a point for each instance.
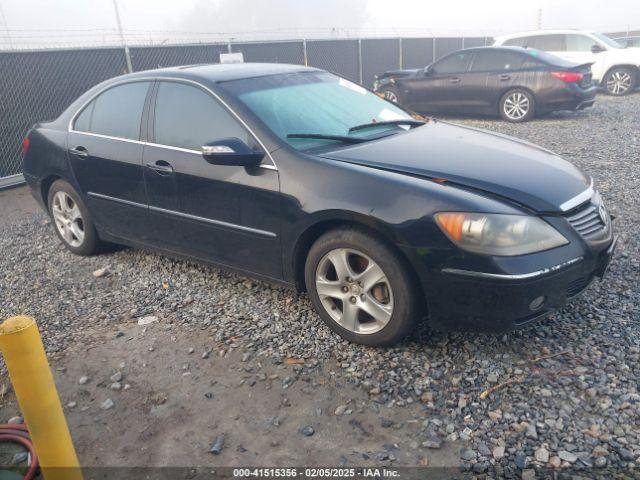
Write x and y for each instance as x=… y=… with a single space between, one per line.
x=391 y=93
x=620 y=81
x=361 y=288
x=517 y=106
x=71 y=219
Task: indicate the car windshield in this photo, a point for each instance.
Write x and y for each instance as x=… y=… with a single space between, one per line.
x=314 y=109
x=609 y=42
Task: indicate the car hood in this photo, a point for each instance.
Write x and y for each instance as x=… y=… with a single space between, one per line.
x=500 y=165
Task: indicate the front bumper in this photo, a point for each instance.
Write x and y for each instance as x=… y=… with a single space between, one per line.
x=474 y=301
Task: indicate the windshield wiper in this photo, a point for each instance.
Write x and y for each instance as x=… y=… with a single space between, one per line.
x=404 y=121
x=321 y=136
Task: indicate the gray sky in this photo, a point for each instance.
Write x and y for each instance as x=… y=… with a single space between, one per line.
x=37 y=23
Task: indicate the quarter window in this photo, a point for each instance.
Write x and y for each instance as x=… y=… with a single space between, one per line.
x=116 y=112
x=188 y=117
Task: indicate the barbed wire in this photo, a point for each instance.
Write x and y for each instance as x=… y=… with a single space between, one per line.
x=28 y=38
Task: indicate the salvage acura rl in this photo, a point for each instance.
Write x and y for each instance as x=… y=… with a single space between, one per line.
x=296 y=175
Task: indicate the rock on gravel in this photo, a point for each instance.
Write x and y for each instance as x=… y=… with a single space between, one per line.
x=217 y=445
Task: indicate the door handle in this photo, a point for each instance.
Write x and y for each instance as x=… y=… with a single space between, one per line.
x=505 y=76
x=161 y=167
x=454 y=80
x=79 y=151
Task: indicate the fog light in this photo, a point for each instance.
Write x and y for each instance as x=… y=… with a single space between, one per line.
x=536 y=303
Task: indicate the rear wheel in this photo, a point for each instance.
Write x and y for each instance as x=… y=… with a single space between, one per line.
x=361 y=288
x=517 y=106
x=71 y=219
x=620 y=81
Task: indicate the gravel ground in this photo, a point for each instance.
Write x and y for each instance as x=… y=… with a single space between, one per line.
x=566 y=389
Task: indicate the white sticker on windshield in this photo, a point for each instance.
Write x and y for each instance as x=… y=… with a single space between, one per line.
x=386 y=115
x=352 y=86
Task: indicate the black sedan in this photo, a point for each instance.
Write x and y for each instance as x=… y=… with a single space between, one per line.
x=516 y=83
x=295 y=175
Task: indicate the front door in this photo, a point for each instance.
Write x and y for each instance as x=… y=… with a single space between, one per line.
x=105 y=153
x=227 y=214
x=443 y=84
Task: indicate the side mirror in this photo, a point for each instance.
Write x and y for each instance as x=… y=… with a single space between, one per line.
x=231 y=151
x=428 y=70
x=595 y=48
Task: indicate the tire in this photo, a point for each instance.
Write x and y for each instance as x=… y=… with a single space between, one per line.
x=389 y=291
x=512 y=104
x=620 y=81
x=391 y=94
x=71 y=220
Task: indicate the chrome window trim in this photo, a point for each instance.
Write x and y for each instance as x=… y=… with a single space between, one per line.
x=70 y=128
x=220 y=223
x=578 y=199
x=517 y=276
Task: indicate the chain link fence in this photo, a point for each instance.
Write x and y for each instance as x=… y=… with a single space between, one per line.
x=39 y=85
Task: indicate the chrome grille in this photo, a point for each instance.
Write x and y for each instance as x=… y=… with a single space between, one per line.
x=588 y=220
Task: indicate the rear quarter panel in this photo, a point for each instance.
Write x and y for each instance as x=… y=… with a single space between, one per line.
x=46 y=159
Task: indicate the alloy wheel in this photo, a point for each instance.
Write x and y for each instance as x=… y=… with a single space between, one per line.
x=516 y=106
x=354 y=291
x=68 y=219
x=391 y=96
x=619 y=82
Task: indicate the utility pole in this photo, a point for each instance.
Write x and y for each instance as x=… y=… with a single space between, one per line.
x=6 y=27
x=539 y=23
x=124 y=43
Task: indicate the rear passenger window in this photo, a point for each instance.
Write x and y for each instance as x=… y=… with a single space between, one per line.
x=548 y=43
x=188 y=117
x=116 y=112
x=491 y=61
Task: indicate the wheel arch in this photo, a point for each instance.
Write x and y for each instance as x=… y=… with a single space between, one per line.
x=634 y=68
x=45 y=186
x=345 y=220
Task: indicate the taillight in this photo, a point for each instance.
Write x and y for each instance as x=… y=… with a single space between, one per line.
x=25 y=146
x=568 y=77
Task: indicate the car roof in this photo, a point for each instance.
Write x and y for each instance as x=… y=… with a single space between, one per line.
x=221 y=72
x=540 y=32
x=503 y=48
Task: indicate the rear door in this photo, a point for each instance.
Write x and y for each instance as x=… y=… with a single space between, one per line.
x=504 y=70
x=227 y=214
x=105 y=152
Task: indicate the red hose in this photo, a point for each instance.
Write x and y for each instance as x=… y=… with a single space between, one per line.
x=18 y=433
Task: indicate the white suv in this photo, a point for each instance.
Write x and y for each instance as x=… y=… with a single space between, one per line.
x=615 y=67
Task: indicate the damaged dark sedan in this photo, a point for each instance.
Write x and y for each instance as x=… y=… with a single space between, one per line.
x=295 y=175
x=516 y=83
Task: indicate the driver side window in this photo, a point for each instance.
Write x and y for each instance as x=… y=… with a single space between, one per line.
x=579 y=43
x=188 y=117
x=456 y=63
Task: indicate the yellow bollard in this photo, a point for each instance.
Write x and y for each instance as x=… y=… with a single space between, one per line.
x=32 y=381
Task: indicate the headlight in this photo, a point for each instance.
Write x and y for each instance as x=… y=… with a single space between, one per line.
x=496 y=234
